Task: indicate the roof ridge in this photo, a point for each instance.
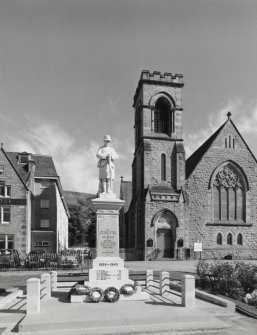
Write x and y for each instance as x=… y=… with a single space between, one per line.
x=18 y=152
x=196 y=156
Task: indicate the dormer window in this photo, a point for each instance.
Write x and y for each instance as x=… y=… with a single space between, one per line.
x=24 y=158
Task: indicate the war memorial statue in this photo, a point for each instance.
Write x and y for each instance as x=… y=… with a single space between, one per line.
x=106 y=156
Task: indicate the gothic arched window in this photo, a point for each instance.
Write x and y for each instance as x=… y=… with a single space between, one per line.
x=163 y=167
x=228 y=192
x=240 y=239
x=219 y=239
x=163 y=117
x=229 y=239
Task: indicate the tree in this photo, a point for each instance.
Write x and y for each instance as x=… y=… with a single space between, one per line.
x=81 y=226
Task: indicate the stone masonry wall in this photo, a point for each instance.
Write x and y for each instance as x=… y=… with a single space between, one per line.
x=152 y=208
x=153 y=163
x=202 y=227
x=17 y=226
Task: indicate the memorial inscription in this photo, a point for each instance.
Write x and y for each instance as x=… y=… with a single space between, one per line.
x=107 y=237
x=106 y=275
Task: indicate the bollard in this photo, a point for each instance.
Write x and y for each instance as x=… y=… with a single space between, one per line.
x=164 y=282
x=149 y=278
x=33 y=295
x=53 y=280
x=188 y=291
x=45 y=285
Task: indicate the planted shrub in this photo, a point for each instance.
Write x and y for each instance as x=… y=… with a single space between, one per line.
x=203 y=271
x=246 y=274
x=220 y=277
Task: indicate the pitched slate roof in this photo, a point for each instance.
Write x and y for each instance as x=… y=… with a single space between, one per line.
x=163 y=189
x=44 y=166
x=195 y=158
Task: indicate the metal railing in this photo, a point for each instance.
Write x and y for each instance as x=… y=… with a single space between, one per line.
x=44 y=261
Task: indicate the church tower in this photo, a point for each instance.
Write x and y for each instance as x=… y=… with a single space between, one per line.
x=158 y=170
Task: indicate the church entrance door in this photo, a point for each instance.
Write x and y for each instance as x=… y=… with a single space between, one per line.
x=166 y=224
x=165 y=243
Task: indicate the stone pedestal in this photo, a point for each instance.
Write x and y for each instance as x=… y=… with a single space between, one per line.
x=108 y=268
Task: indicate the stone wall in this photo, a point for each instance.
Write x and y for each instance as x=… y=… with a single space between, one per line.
x=202 y=226
x=17 y=226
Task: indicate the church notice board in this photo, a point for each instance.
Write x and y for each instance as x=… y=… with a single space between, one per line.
x=107 y=235
x=198 y=247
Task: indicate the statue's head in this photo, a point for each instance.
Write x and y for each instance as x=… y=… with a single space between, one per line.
x=107 y=138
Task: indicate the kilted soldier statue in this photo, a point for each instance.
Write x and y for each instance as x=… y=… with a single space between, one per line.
x=106 y=156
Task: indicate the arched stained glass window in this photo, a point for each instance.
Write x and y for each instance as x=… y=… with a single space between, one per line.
x=228 y=194
x=163 y=167
x=219 y=239
x=163 y=117
x=240 y=239
x=229 y=239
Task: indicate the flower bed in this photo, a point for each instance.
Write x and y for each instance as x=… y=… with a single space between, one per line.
x=234 y=280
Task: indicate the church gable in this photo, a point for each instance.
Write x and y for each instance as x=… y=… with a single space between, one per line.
x=225 y=144
x=222 y=193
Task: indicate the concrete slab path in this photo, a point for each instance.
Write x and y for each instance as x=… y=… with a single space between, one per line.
x=157 y=314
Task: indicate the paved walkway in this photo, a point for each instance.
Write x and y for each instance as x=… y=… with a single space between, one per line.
x=159 y=315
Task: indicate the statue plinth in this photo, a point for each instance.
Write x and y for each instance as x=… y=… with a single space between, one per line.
x=108 y=268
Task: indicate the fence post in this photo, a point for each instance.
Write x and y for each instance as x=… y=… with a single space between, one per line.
x=33 y=295
x=149 y=278
x=53 y=275
x=164 y=282
x=188 y=290
x=46 y=285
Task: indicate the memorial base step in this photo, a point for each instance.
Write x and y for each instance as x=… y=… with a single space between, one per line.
x=137 y=296
x=104 y=284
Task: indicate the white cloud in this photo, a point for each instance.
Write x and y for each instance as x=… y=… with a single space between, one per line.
x=244 y=116
x=76 y=166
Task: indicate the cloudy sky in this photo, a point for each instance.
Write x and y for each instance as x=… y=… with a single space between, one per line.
x=69 y=70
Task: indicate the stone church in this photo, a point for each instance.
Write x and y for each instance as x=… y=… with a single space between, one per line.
x=203 y=206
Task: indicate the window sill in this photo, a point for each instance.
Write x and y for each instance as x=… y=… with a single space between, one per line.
x=6 y=223
x=229 y=223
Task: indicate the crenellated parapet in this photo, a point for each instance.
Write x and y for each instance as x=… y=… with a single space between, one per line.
x=157 y=78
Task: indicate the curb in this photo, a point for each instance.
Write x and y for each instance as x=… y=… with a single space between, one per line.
x=231 y=306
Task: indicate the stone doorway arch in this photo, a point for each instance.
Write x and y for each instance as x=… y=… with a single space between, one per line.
x=165 y=224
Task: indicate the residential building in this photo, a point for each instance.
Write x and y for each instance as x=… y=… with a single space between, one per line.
x=34 y=214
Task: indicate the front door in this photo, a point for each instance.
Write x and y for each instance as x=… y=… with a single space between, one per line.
x=165 y=243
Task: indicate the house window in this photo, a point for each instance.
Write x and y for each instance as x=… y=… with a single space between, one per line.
x=5 y=190
x=6 y=242
x=5 y=214
x=163 y=117
x=229 y=239
x=44 y=223
x=240 y=239
x=219 y=239
x=42 y=243
x=1 y=168
x=228 y=195
x=44 y=203
x=2 y=189
x=163 y=167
